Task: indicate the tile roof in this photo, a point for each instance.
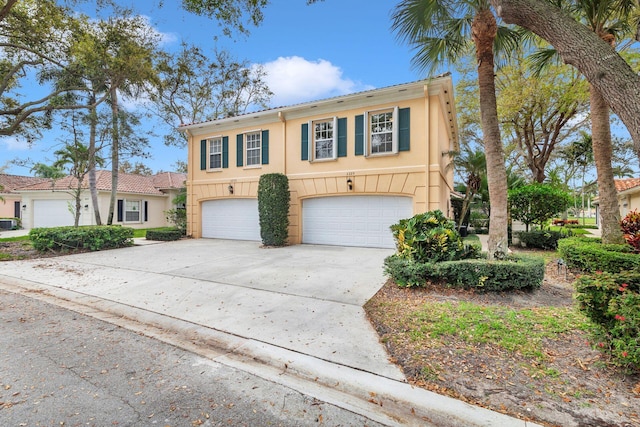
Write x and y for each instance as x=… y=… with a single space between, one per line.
x=626 y=184
x=439 y=76
x=11 y=182
x=127 y=183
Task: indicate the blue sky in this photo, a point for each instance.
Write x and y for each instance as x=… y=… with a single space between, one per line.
x=310 y=52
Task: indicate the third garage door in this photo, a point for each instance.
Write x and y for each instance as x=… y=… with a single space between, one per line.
x=353 y=220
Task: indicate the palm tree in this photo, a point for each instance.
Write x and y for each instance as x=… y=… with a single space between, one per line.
x=473 y=164
x=118 y=54
x=76 y=156
x=443 y=31
x=609 y=20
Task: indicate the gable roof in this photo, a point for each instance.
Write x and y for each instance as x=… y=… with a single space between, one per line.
x=11 y=182
x=626 y=184
x=127 y=183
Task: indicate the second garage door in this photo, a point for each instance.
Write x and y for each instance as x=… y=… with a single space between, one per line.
x=353 y=220
x=235 y=219
x=51 y=213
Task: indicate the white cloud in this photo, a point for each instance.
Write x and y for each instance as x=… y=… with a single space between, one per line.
x=295 y=79
x=12 y=143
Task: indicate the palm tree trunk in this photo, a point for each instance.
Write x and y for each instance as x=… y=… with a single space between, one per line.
x=115 y=148
x=93 y=124
x=602 y=149
x=484 y=29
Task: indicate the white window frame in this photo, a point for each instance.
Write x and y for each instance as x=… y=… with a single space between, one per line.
x=125 y=211
x=210 y=152
x=312 y=139
x=258 y=149
x=368 y=150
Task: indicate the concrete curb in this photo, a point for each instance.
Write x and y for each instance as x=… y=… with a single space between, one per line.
x=381 y=399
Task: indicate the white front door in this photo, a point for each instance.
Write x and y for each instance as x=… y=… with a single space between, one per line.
x=353 y=220
x=235 y=219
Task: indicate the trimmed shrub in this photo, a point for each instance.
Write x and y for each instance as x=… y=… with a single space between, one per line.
x=542 y=239
x=612 y=303
x=537 y=203
x=590 y=255
x=516 y=272
x=430 y=237
x=164 y=234
x=93 y=238
x=273 y=208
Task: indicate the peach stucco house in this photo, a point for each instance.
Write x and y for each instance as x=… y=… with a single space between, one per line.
x=628 y=195
x=356 y=164
x=141 y=200
x=11 y=202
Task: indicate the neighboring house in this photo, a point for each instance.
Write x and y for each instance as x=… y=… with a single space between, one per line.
x=141 y=200
x=628 y=195
x=356 y=164
x=11 y=205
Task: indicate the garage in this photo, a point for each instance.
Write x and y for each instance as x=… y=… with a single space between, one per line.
x=235 y=219
x=52 y=213
x=353 y=220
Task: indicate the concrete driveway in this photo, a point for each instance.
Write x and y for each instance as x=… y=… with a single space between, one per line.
x=303 y=298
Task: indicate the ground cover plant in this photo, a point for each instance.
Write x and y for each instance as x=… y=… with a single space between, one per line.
x=526 y=353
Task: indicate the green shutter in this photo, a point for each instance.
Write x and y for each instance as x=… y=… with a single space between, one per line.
x=342 y=137
x=239 y=151
x=304 y=147
x=225 y=151
x=403 y=129
x=360 y=135
x=203 y=155
x=265 y=147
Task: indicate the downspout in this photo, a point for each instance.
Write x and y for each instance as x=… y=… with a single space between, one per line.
x=189 y=183
x=284 y=141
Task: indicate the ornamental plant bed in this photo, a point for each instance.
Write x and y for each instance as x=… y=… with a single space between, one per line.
x=524 y=353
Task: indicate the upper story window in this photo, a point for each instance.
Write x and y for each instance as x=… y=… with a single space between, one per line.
x=383 y=132
x=324 y=139
x=381 y=126
x=253 y=143
x=215 y=153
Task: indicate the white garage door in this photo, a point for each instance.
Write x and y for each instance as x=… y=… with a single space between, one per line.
x=353 y=220
x=51 y=213
x=235 y=219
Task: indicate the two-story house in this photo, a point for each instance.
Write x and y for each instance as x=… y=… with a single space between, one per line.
x=356 y=164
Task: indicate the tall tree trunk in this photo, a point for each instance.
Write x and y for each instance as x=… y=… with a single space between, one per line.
x=602 y=151
x=582 y=48
x=484 y=29
x=93 y=124
x=115 y=148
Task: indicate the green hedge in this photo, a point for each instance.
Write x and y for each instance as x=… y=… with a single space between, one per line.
x=94 y=238
x=273 y=208
x=590 y=255
x=516 y=272
x=542 y=239
x=612 y=302
x=164 y=234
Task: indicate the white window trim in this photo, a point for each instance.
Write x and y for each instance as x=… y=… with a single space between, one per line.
x=395 y=138
x=209 y=140
x=140 y=213
x=246 y=149
x=312 y=142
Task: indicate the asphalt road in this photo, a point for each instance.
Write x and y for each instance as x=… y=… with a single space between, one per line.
x=61 y=368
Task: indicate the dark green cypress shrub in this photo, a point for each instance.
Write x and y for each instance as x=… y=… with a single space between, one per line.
x=273 y=208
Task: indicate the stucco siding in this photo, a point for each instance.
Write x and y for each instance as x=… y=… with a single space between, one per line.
x=415 y=169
